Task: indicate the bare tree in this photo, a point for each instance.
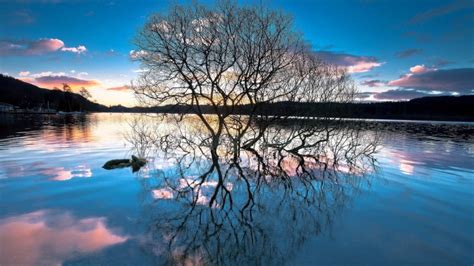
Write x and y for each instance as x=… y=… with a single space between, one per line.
x=228 y=56
x=85 y=93
x=66 y=88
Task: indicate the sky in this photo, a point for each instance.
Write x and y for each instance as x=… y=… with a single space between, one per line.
x=394 y=50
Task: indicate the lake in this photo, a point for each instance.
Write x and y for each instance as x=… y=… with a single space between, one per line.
x=59 y=206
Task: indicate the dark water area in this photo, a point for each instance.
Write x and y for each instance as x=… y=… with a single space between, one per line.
x=59 y=206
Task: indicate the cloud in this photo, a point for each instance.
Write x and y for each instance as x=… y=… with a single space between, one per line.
x=36 y=47
x=140 y=70
x=368 y=76
x=24 y=73
x=51 y=80
x=47 y=73
x=77 y=50
x=459 y=80
x=401 y=94
x=408 y=52
x=135 y=55
x=418 y=69
x=353 y=63
x=373 y=83
x=48 y=237
x=364 y=95
x=396 y=95
x=73 y=82
x=121 y=88
x=441 y=11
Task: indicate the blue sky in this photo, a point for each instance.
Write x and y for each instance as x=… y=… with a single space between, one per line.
x=395 y=50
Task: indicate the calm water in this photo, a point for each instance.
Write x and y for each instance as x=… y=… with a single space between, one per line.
x=58 y=206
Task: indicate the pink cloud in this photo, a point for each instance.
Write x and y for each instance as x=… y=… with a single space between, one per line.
x=460 y=80
x=353 y=63
x=46 y=45
x=36 y=47
x=362 y=66
x=52 y=80
x=121 y=88
x=418 y=69
x=50 y=238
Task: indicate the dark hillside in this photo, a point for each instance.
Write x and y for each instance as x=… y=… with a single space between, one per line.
x=26 y=95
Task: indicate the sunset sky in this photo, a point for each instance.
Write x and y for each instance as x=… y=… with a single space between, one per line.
x=395 y=50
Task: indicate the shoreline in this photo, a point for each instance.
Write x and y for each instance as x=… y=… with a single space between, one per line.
x=419 y=120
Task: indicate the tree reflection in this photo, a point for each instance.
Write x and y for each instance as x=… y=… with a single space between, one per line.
x=252 y=197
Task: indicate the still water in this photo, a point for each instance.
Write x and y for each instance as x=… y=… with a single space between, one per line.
x=59 y=206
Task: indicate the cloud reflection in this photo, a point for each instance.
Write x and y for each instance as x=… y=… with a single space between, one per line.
x=406 y=167
x=49 y=238
x=62 y=174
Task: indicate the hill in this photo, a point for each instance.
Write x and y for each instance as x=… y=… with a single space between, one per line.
x=26 y=95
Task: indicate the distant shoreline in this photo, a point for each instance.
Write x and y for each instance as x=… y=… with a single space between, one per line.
x=437 y=120
x=18 y=96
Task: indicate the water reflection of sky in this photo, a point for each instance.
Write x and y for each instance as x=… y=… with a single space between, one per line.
x=417 y=207
x=50 y=238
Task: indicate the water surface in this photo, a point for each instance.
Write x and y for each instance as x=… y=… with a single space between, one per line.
x=58 y=206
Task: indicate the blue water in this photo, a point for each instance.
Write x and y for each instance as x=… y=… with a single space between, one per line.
x=58 y=206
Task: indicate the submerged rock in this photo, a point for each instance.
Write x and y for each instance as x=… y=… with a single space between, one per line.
x=136 y=163
x=119 y=163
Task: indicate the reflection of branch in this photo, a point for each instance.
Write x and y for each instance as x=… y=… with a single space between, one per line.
x=225 y=206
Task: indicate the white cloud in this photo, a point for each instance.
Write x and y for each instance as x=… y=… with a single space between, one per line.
x=77 y=50
x=139 y=70
x=134 y=55
x=47 y=73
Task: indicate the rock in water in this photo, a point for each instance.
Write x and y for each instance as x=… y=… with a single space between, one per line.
x=114 y=164
x=136 y=163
